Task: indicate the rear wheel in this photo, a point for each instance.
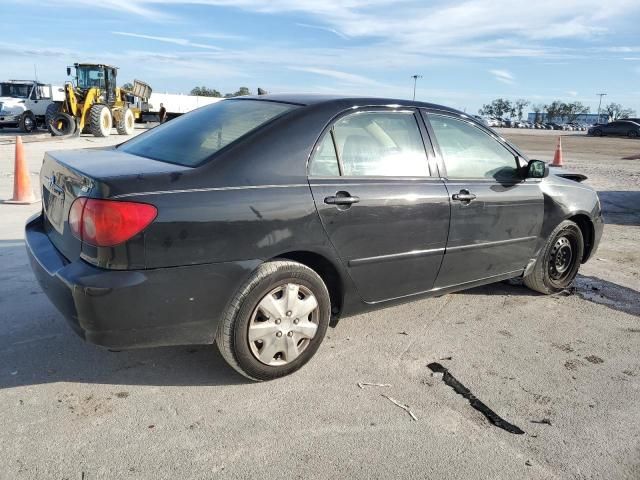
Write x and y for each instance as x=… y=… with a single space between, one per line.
x=126 y=122
x=632 y=134
x=559 y=260
x=28 y=122
x=276 y=322
x=100 y=121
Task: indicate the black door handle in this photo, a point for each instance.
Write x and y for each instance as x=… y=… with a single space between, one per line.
x=463 y=196
x=339 y=200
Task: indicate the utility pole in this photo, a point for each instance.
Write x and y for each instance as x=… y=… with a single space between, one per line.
x=600 y=103
x=415 y=80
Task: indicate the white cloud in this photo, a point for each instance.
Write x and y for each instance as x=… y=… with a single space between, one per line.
x=415 y=25
x=177 y=41
x=326 y=29
x=345 y=77
x=572 y=93
x=222 y=36
x=503 y=76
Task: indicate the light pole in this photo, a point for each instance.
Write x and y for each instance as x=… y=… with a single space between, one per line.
x=415 y=80
x=600 y=103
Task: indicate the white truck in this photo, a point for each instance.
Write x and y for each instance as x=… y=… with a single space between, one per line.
x=23 y=103
x=175 y=105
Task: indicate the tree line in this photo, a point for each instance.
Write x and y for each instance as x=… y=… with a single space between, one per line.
x=501 y=107
x=212 y=92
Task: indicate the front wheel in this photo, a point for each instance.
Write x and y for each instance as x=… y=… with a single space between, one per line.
x=28 y=122
x=559 y=260
x=100 y=120
x=632 y=134
x=276 y=322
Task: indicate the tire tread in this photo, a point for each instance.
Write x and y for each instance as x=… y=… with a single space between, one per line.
x=225 y=333
x=535 y=279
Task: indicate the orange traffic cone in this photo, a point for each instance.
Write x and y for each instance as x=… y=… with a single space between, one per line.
x=557 y=158
x=22 y=193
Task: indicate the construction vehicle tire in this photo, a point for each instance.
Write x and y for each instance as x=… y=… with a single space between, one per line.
x=126 y=122
x=52 y=111
x=100 y=120
x=62 y=124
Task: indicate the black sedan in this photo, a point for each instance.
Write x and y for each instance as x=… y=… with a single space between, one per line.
x=625 y=128
x=254 y=221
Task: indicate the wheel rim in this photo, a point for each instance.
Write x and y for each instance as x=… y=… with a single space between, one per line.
x=561 y=259
x=283 y=324
x=106 y=121
x=28 y=123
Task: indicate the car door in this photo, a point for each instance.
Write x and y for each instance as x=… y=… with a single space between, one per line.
x=496 y=215
x=386 y=217
x=42 y=99
x=612 y=128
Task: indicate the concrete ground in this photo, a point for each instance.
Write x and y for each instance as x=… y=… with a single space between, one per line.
x=564 y=368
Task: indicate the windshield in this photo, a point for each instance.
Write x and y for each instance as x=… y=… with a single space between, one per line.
x=90 y=77
x=16 y=90
x=192 y=138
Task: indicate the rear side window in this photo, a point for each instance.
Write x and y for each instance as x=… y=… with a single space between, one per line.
x=469 y=152
x=191 y=139
x=325 y=161
x=385 y=144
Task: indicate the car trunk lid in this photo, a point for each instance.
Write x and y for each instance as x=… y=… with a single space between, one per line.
x=96 y=173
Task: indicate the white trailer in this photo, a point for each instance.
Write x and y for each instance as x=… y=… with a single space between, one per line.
x=23 y=103
x=175 y=104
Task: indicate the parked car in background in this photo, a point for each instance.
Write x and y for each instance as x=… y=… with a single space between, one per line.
x=625 y=128
x=482 y=120
x=253 y=221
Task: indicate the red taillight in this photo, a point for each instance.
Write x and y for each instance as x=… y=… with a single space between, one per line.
x=105 y=223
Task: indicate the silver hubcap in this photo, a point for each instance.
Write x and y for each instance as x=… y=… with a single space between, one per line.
x=283 y=324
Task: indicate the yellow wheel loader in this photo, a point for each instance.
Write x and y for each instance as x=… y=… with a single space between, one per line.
x=94 y=104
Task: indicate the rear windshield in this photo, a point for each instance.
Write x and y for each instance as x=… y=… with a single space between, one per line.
x=192 y=138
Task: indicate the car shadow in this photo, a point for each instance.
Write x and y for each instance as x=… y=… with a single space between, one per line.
x=609 y=294
x=593 y=289
x=620 y=207
x=37 y=346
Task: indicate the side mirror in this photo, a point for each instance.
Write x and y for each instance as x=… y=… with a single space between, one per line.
x=537 y=169
x=68 y=71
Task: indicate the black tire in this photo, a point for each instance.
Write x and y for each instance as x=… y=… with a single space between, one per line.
x=62 y=124
x=597 y=132
x=559 y=260
x=632 y=134
x=52 y=110
x=28 y=122
x=100 y=120
x=126 y=122
x=232 y=336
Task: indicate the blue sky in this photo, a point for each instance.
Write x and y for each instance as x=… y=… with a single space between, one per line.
x=467 y=51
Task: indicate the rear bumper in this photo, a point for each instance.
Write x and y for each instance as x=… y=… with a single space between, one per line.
x=134 y=308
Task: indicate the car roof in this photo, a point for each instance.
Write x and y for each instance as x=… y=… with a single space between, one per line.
x=308 y=99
